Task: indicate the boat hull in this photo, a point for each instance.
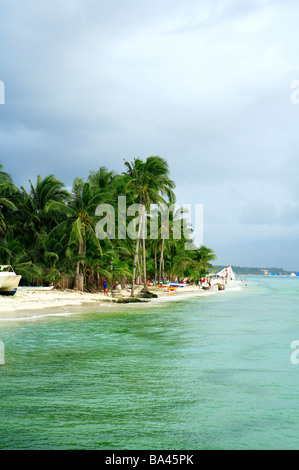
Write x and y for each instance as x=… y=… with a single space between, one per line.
x=9 y=284
x=37 y=288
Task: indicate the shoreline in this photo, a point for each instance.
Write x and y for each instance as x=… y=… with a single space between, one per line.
x=26 y=304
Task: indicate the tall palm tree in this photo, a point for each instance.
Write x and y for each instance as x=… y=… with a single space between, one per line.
x=79 y=219
x=148 y=183
x=3 y=175
x=7 y=191
x=102 y=180
x=12 y=252
x=47 y=231
x=5 y=203
x=33 y=205
x=203 y=258
x=169 y=226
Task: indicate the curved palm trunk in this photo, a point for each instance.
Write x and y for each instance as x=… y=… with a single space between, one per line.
x=137 y=250
x=144 y=266
x=156 y=265
x=78 y=281
x=161 y=262
x=144 y=255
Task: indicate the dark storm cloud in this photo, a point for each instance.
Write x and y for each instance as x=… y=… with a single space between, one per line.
x=206 y=85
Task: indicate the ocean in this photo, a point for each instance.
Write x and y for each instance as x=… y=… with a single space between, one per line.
x=203 y=372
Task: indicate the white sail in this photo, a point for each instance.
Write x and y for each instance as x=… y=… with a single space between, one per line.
x=227 y=273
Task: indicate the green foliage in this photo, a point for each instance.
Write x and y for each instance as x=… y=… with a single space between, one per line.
x=48 y=231
x=148 y=295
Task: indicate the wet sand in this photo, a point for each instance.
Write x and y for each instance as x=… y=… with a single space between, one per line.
x=33 y=303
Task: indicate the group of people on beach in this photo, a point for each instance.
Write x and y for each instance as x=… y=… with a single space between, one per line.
x=204 y=281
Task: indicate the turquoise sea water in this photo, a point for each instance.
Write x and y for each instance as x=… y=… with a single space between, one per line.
x=208 y=372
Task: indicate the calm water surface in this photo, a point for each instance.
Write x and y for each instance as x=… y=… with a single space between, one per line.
x=208 y=372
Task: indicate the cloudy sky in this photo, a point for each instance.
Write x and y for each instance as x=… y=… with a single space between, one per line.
x=205 y=84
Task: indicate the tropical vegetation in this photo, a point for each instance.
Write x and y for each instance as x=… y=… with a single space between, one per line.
x=48 y=232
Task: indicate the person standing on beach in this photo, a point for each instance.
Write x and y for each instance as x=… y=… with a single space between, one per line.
x=105 y=285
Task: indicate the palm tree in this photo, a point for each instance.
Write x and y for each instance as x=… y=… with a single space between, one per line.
x=47 y=231
x=203 y=258
x=169 y=227
x=148 y=183
x=4 y=176
x=7 y=191
x=79 y=219
x=12 y=252
x=102 y=180
x=32 y=206
x=5 y=202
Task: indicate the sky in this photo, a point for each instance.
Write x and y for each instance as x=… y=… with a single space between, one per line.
x=209 y=85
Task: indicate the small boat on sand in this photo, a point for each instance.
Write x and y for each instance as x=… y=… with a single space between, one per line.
x=9 y=280
x=218 y=285
x=38 y=288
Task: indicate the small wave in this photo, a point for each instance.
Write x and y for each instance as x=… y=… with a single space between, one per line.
x=36 y=317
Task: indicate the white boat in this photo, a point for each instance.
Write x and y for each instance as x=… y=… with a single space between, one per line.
x=227 y=273
x=293 y=275
x=9 y=280
x=37 y=288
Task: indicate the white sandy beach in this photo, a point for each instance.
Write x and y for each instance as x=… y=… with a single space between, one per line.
x=38 y=299
x=35 y=300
